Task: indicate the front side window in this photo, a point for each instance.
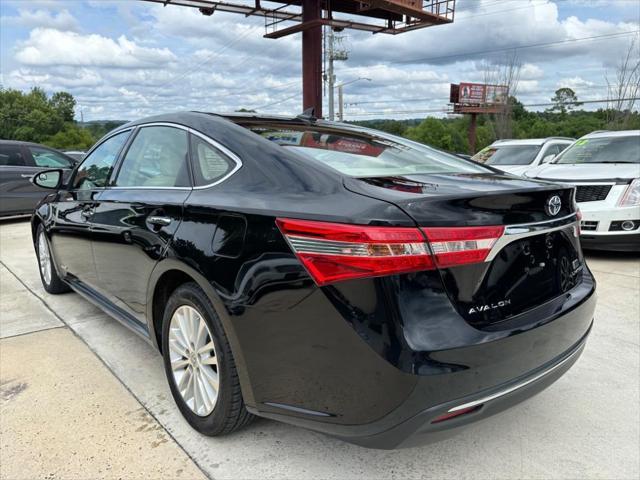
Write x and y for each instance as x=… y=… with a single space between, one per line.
x=209 y=164
x=603 y=150
x=157 y=158
x=94 y=172
x=11 y=156
x=366 y=153
x=507 y=154
x=46 y=158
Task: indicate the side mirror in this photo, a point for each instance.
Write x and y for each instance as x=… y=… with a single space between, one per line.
x=51 y=179
x=548 y=158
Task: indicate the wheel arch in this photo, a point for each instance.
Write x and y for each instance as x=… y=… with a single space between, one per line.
x=168 y=275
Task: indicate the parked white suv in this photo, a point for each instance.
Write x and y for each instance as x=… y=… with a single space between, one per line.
x=605 y=168
x=517 y=156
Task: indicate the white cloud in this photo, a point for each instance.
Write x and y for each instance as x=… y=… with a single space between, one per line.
x=43 y=18
x=48 y=47
x=529 y=71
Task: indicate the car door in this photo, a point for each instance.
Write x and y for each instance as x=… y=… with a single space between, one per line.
x=73 y=209
x=17 y=165
x=14 y=179
x=17 y=194
x=136 y=216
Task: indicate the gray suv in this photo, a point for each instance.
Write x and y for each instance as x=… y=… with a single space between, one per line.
x=19 y=161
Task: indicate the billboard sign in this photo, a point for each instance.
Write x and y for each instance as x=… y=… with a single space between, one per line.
x=482 y=94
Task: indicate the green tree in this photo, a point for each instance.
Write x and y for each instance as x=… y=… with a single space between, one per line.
x=34 y=117
x=71 y=138
x=64 y=104
x=564 y=101
x=27 y=116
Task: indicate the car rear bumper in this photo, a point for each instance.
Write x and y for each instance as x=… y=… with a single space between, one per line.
x=492 y=377
x=617 y=242
x=425 y=428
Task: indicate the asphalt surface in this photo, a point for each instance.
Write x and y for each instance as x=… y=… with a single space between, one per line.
x=587 y=425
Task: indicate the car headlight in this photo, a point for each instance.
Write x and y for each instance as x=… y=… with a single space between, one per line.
x=631 y=196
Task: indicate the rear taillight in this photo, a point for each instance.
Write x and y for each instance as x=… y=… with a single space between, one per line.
x=334 y=251
x=461 y=245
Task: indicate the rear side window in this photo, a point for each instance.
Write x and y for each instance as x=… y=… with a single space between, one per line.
x=43 y=157
x=508 y=154
x=11 y=156
x=157 y=157
x=364 y=152
x=209 y=163
x=97 y=167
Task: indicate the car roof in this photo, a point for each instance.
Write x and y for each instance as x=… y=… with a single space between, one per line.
x=20 y=142
x=608 y=133
x=532 y=141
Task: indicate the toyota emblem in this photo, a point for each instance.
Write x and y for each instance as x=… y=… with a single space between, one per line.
x=553 y=205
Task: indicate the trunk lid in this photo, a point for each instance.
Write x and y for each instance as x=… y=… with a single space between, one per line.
x=528 y=266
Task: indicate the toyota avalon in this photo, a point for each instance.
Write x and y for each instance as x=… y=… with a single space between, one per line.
x=321 y=274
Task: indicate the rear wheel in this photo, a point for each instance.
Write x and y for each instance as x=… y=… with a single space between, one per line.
x=51 y=282
x=199 y=364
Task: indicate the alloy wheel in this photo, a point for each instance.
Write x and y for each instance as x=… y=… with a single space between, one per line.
x=194 y=363
x=44 y=258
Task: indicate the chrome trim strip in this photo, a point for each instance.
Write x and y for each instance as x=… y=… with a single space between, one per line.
x=513 y=233
x=209 y=140
x=518 y=386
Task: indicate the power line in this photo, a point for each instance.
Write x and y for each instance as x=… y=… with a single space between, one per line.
x=431 y=99
x=442 y=110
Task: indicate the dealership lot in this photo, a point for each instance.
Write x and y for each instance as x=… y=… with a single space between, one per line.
x=584 y=426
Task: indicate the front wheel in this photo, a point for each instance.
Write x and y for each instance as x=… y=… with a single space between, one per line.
x=199 y=364
x=51 y=282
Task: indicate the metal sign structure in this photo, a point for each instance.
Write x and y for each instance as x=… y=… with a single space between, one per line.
x=284 y=18
x=474 y=98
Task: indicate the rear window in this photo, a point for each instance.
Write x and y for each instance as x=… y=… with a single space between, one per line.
x=603 y=150
x=365 y=153
x=507 y=155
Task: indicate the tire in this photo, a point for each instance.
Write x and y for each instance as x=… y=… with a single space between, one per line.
x=51 y=282
x=227 y=412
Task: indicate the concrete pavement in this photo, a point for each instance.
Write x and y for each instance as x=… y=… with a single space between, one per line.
x=584 y=426
x=63 y=414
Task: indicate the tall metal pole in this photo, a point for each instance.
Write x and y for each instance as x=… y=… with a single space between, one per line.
x=340 y=104
x=331 y=78
x=472 y=133
x=312 y=58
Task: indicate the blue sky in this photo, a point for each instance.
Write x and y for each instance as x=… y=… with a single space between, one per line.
x=127 y=59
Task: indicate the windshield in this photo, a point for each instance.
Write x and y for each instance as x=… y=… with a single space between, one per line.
x=507 y=154
x=364 y=152
x=603 y=150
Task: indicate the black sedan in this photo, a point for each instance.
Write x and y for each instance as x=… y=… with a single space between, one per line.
x=321 y=274
x=19 y=161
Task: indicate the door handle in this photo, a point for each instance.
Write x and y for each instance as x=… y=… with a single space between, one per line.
x=26 y=175
x=161 y=221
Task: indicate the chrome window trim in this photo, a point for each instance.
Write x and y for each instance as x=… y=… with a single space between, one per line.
x=513 y=233
x=78 y=166
x=210 y=141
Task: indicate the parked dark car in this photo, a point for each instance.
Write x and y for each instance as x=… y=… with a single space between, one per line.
x=19 y=161
x=322 y=274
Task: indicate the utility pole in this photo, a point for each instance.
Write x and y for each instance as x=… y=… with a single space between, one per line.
x=341 y=97
x=333 y=51
x=331 y=78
